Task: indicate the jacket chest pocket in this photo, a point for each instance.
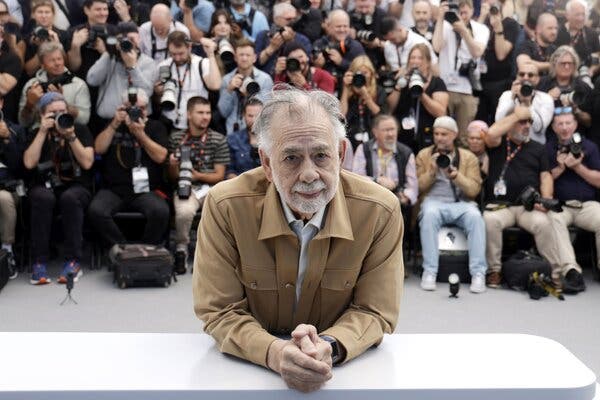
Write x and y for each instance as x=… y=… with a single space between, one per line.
x=337 y=286
x=260 y=286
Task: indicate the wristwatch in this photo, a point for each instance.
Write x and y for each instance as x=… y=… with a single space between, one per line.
x=335 y=348
x=72 y=138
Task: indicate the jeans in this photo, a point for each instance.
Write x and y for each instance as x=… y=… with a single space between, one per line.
x=72 y=204
x=435 y=214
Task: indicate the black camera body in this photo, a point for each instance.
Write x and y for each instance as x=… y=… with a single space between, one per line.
x=469 y=71
x=96 y=31
x=135 y=113
x=41 y=33
x=64 y=120
x=292 y=65
x=529 y=197
x=366 y=36
x=575 y=97
x=191 y=3
x=164 y=73
x=125 y=44
x=358 y=80
x=301 y=5
x=63 y=79
x=275 y=30
x=443 y=160
x=574 y=146
x=526 y=89
x=452 y=14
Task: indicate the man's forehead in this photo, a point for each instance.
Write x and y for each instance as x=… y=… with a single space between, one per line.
x=310 y=144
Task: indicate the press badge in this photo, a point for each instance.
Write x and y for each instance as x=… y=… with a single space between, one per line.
x=140 y=179
x=408 y=123
x=452 y=78
x=500 y=188
x=361 y=137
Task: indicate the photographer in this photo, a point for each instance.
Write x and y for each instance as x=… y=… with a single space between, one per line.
x=59 y=157
x=476 y=132
x=418 y=99
x=120 y=67
x=10 y=31
x=539 y=49
x=241 y=84
x=583 y=39
x=565 y=86
x=366 y=21
x=54 y=77
x=189 y=75
x=43 y=31
x=522 y=92
x=243 y=144
x=362 y=99
x=154 y=33
x=294 y=67
x=516 y=163
x=196 y=15
x=575 y=167
x=399 y=42
x=133 y=150
x=460 y=42
x=270 y=43
x=449 y=182
x=422 y=15
x=204 y=166
x=11 y=169
x=335 y=51
x=251 y=20
x=497 y=63
x=309 y=20
x=10 y=70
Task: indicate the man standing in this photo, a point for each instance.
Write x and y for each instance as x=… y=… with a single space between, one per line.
x=243 y=144
x=449 y=181
x=299 y=247
x=539 y=49
x=207 y=158
x=154 y=33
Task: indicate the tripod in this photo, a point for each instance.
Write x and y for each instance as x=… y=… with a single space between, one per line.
x=70 y=284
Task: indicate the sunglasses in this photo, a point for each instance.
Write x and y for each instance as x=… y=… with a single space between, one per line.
x=527 y=74
x=526 y=121
x=2 y=13
x=563 y=110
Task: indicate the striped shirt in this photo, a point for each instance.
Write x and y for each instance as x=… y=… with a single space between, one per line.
x=205 y=152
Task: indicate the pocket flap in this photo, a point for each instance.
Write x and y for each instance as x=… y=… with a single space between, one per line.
x=339 y=279
x=259 y=279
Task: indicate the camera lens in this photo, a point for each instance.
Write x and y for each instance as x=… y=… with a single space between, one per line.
x=443 y=161
x=64 y=120
x=526 y=89
x=292 y=65
x=358 y=80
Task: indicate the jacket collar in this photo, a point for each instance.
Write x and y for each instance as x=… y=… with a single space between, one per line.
x=337 y=219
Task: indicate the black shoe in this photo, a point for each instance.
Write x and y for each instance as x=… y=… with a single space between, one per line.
x=573 y=282
x=13 y=272
x=180 y=262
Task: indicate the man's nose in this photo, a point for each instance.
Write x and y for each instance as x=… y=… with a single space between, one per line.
x=309 y=172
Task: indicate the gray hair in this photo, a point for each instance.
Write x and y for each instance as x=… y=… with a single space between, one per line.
x=49 y=48
x=280 y=8
x=557 y=55
x=141 y=95
x=582 y=3
x=298 y=104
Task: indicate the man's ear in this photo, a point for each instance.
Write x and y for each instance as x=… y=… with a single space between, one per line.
x=266 y=164
x=342 y=150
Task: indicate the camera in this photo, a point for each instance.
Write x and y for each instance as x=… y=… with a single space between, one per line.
x=358 y=80
x=442 y=161
x=584 y=75
x=133 y=111
x=526 y=89
x=387 y=81
x=495 y=9
x=184 y=183
x=96 y=31
x=275 y=30
x=416 y=83
x=366 y=35
x=469 y=70
x=64 y=120
x=63 y=79
x=225 y=51
x=164 y=73
x=249 y=86
x=574 y=146
x=48 y=173
x=452 y=14
x=594 y=60
x=575 y=97
x=301 y=5
x=292 y=65
x=529 y=197
x=125 y=45
x=168 y=100
x=41 y=33
x=191 y=3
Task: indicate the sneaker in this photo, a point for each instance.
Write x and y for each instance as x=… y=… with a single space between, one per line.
x=573 y=282
x=180 y=262
x=39 y=275
x=70 y=267
x=493 y=279
x=13 y=272
x=428 y=281
x=477 y=283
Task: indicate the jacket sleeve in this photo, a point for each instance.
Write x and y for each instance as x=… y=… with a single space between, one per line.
x=99 y=71
x=376 y=302
x=145 y=74
x=469 y=179
x=226 y=98
x=425 y=174
x=83 y=103
x=219 y=295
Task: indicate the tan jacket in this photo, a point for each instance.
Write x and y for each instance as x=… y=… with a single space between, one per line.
x=468 y=178
x=247 y=259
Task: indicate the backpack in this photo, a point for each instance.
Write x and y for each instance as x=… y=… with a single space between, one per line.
x=517 y=269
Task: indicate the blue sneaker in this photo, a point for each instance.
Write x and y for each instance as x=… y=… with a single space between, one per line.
x=70 y=267
x=39 y=275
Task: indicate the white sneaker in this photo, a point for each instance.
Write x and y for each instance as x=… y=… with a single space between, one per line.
x=428 y=281
x=477 y=283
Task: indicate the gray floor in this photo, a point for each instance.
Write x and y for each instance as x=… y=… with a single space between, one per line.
x=102 y=307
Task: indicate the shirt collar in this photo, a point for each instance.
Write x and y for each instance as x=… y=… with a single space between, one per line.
x=316 y=220
x=376 y=147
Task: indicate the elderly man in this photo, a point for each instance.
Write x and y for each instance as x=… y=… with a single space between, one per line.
x=449 y=181
x=299 y=247
x=574 y=33
x=154 y=33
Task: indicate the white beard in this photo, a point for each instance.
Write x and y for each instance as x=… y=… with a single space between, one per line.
x=298 y=204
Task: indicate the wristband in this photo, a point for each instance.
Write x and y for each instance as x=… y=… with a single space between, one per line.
x=499 y=33
x=72 y=138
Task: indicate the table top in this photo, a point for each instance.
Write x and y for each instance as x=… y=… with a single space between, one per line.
x=63 y=365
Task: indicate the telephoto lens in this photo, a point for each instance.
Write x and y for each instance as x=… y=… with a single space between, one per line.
x=64 y=120
x=526 y=89
x=443 y=161
x=358 y=80
x=292 y=65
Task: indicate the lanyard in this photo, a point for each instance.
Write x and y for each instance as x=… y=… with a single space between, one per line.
x=196 y=144
x=575 y=39
x=459 y=43
x=510 y=155
x=383 y=161
x=361 y=115
x=181 y=82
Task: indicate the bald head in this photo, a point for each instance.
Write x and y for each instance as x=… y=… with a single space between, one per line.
x=546 y=29
x=338 y=25
x=161 y=19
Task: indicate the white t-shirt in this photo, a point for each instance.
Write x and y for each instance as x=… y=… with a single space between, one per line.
x=160 y=45
x=61 y=21
x=406 y=19
x=396 y=56
x=450 y=61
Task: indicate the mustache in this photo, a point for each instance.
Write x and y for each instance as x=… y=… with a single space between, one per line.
x=309 y=187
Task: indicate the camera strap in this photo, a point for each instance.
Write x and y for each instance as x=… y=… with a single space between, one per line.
x=138 y=154
x=459 y=43
x=180 y=83
x=153 y=41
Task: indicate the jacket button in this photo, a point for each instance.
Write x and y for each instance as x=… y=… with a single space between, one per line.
x=347 y=284
x=289 y=285
x=253 y=285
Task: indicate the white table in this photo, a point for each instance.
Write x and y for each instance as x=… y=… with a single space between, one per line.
x=147 y=366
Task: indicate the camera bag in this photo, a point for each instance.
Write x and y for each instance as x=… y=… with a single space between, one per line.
x=519 y=266
x=141 y=265
x=3 y=268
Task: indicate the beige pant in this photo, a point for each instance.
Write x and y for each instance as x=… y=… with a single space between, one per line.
x=535 y=222
x=185 y=211
x=587 y=218
x=464 y=108
x=8 y=216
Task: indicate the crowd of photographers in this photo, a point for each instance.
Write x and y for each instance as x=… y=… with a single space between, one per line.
x=481 y=114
